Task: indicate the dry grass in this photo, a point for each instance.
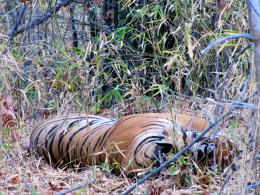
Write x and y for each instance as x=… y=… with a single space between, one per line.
x=25 y=173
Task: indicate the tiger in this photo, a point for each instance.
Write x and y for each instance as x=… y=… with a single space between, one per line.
x=133 y=142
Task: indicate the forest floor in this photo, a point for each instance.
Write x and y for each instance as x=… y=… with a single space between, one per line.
x=24 y=173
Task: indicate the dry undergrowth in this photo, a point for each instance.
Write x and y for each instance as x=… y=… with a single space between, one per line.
x=142 y=50
x=23 y=173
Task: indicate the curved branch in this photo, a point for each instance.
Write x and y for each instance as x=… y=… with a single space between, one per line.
x=224 y=39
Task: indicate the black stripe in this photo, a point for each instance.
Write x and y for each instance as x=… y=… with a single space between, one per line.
x=184 y=137
x=51 y=145
x=156 y=138
x=73 y=123
x=40 y=131
x=131 y=116
x=75 y=133
x=99 y=139
x=124 y=119
x=60 y=144
x=83 y=144
x=75 y=154
x=106 y=136
x=147 y=138
x=114 y=127
x=101 y=126
x=48 y=136
x=135 y=160
x=62 y=134
x=153 y=124
x=150 y=158
x=37 y=138
x=88 y=136
x=94 y=149
x=102 y=140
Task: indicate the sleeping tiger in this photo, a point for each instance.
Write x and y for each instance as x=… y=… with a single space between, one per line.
x=133 y=142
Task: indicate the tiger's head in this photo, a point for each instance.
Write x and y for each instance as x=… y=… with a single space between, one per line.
x=214 y=151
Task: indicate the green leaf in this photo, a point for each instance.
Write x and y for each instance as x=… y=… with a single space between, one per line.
x=182 y=160
x=172 y=169
x=6 y=146
x=121 y=33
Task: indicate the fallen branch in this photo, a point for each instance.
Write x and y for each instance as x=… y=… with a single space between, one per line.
x=176 y=156
x=43 y=18
x=224 y=39
x=75 y=187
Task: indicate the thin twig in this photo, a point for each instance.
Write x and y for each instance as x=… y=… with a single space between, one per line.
x=75 y=187
x=176 y=156
x=224 y=39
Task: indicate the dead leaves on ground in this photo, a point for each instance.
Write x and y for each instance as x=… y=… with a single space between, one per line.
x=8 y=117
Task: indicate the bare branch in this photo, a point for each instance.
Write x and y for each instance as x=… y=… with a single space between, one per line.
x=43 y=18
x=224 y=39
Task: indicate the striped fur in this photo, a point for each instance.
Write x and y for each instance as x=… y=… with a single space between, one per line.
x=70 y=138
x=134 y=141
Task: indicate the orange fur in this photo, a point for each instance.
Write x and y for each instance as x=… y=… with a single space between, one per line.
x=133 y=141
